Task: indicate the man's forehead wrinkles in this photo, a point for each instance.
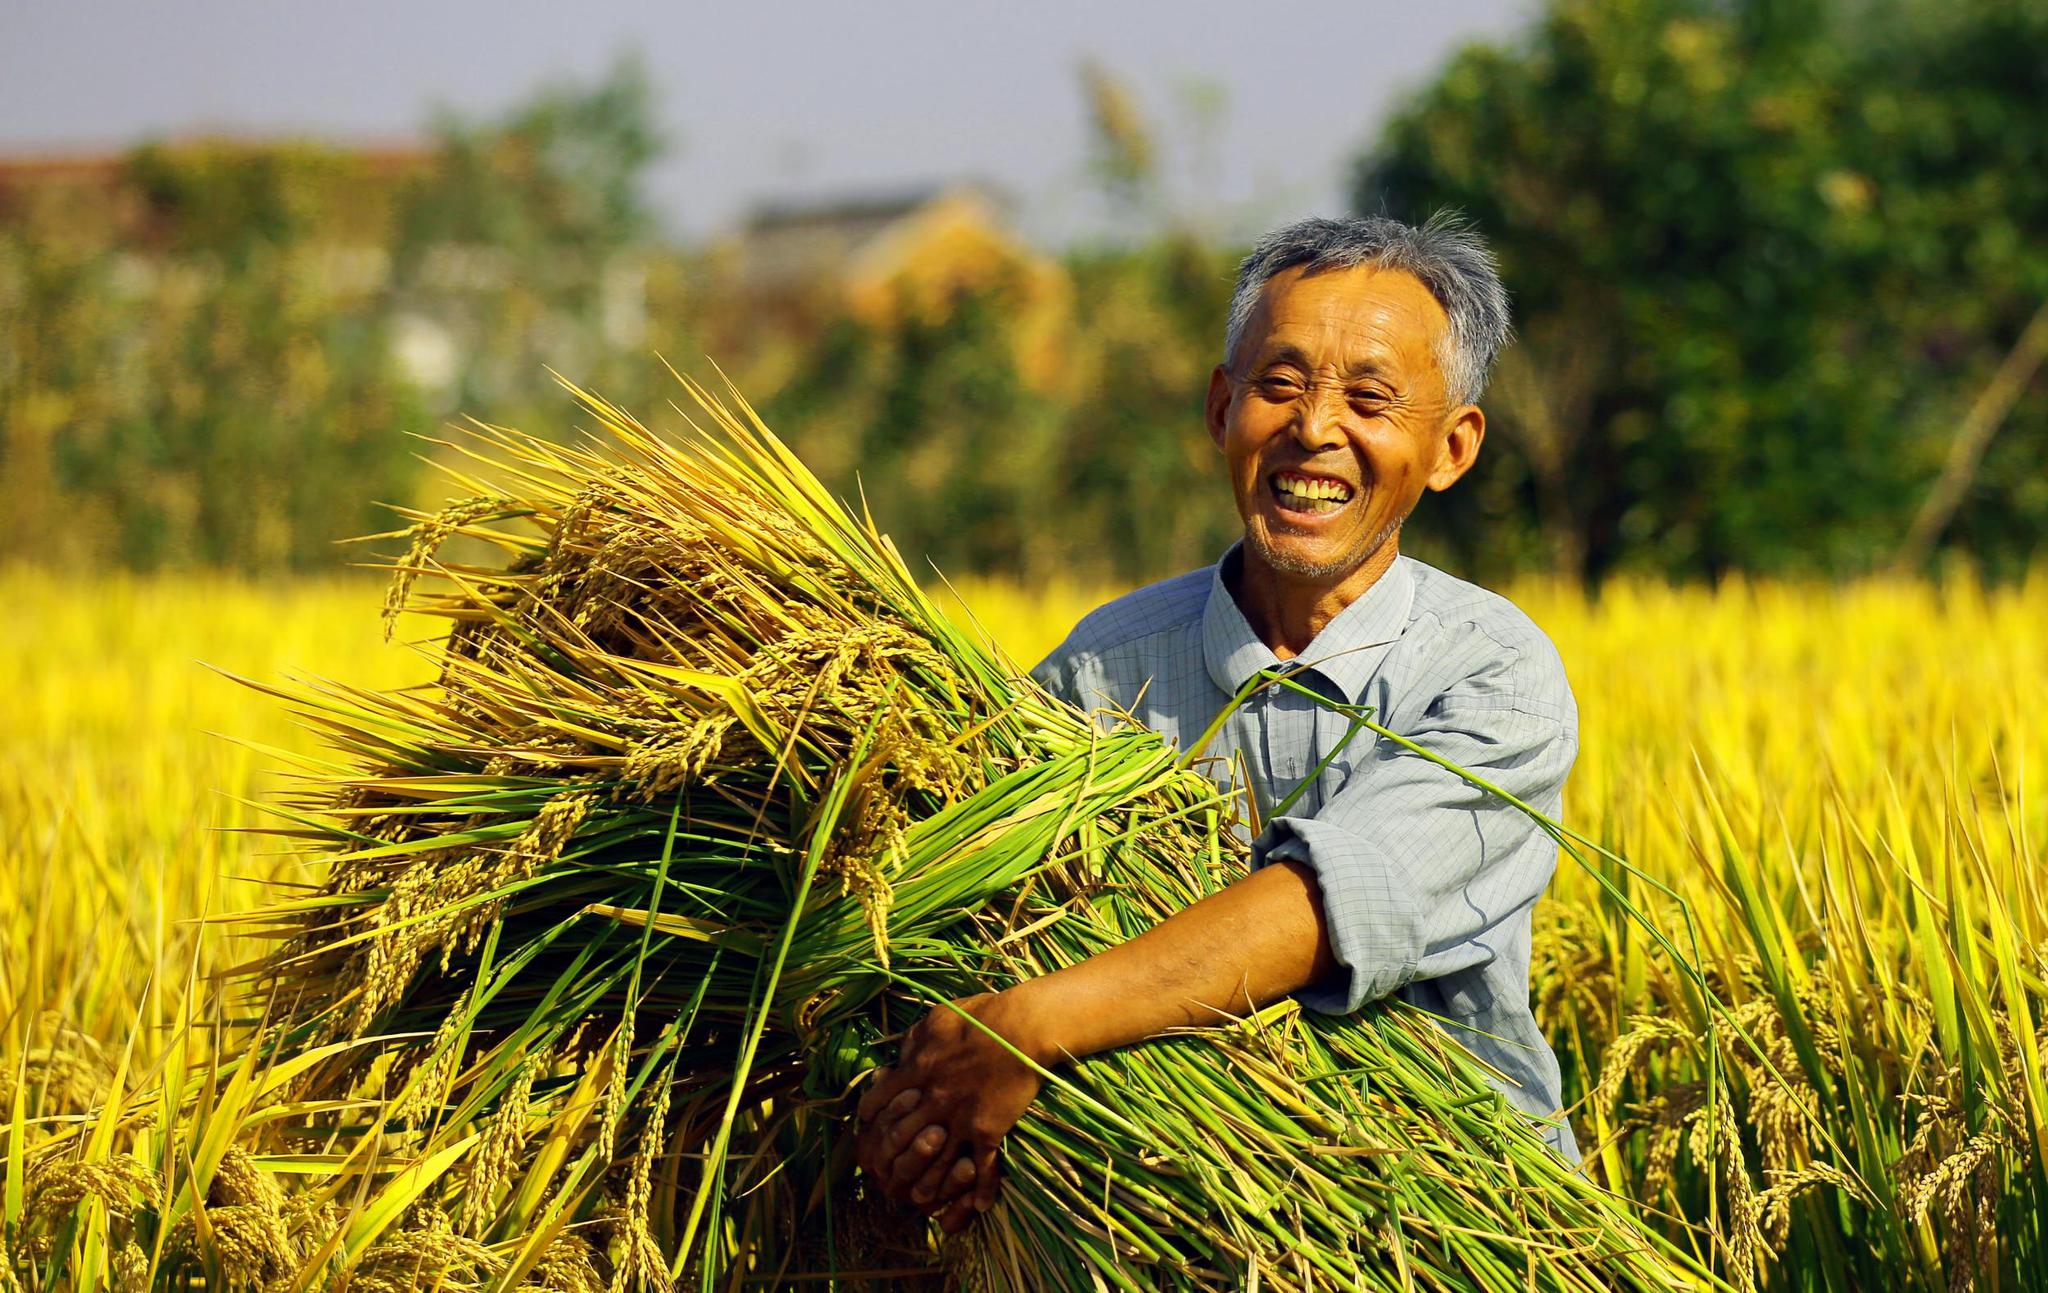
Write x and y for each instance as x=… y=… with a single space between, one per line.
x=1377 y=361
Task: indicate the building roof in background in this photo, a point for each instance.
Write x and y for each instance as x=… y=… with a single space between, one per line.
x=798 y=246
x=853 y=209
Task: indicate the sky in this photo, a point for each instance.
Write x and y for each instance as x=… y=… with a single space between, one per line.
x=769 y=100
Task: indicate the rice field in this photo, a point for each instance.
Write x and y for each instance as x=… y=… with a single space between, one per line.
x=1834 y=796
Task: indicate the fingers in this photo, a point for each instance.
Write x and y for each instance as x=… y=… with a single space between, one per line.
x=895 y=1124
x=961 y=1210
x=889 y=1089
x=934 y=1143
x=958 y=1215
x=905 y=1148
x=891 y=1121
x=949 y=1176
x=882 y=1087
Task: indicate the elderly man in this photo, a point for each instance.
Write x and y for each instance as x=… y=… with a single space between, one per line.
x=1354 y=355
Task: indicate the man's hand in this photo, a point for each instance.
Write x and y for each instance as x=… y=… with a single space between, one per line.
x=935 y=1119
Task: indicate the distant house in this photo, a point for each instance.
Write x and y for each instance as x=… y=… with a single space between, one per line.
x=791 y=248
x=876 y=257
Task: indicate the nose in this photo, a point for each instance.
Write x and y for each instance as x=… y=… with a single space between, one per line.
x=1319 y=422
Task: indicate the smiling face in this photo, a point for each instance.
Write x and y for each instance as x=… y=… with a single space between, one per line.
x=1333 y=418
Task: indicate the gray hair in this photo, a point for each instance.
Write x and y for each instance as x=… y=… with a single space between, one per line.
x=1449 y=258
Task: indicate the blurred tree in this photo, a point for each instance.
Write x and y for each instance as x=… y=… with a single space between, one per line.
x=1774 y=266
x=1107 y=477
x=1122 y=157
x=1764 y=254
x=562 y=173
x=924 y=418
x=527 y=245
x=203 y=379
x=211 y=352
x=1139 y=480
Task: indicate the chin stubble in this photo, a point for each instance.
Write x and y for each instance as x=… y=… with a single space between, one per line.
x=1289 y=563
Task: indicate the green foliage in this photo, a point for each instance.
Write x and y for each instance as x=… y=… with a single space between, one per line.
x=1763 y=257
x=1140 y=479
x=524 y=234
x=226 y=402
x=1106 y=475
x=560 y=175
x=1766 y=256
x=215 y=357
x=928 y=419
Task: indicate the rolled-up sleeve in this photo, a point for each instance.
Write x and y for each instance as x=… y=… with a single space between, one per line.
x=1419 y=869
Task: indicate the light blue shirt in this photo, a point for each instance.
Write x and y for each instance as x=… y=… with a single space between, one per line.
x=1427 y=881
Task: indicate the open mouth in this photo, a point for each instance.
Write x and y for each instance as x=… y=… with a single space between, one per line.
x=1310 y=495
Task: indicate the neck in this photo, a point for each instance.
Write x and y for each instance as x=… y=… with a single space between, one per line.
x=1286 y=610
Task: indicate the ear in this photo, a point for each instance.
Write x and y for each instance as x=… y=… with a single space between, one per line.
x=1463 y=433
x=1216 y=409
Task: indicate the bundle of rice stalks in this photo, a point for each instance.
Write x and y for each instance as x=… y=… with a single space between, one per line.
x=602 y=933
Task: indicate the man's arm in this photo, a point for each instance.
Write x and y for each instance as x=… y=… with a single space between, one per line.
x=957 y=1091
x=1243 y=947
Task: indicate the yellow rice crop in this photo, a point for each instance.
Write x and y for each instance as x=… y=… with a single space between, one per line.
x=1851 y=778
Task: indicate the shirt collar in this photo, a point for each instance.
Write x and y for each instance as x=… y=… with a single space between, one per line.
x=1347 y=651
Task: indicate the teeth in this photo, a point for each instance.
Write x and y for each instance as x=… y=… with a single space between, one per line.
x=1302 y=488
